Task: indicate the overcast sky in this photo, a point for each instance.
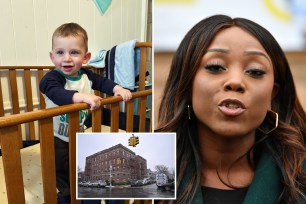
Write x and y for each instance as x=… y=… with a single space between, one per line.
x=156 y=148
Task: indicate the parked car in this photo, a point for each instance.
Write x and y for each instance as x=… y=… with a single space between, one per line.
x=98 y=184
x=101 y=184
x=87 y=184
x=95 y=184
x=147 y=181
x=137 y=183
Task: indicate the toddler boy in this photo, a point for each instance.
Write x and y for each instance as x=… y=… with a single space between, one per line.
x=69 y=83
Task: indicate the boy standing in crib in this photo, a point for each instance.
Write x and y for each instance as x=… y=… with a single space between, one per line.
x=69 y=83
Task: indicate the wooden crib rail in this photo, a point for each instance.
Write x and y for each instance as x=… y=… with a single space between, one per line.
x=20 y=76
x=25 y=71
x=11 y=153
x=13 y=87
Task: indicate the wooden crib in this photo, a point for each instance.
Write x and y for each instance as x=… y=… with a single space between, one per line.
x=35 y=123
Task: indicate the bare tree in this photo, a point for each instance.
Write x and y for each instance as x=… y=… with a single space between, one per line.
x=171 y=174
x=161 y=169
x=79 y=169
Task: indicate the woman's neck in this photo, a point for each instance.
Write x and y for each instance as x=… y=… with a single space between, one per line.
x=219 y=156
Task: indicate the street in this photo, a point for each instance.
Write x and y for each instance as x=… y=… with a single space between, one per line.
x=146 y=191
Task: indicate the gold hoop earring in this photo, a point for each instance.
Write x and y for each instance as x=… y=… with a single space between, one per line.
x=188 y=109
x=268 y=120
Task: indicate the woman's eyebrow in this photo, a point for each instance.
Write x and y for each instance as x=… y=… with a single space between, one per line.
x=247 y=53
x=218 y=50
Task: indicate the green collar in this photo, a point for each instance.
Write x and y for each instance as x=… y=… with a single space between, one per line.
x=78 y=77
x=265 y=187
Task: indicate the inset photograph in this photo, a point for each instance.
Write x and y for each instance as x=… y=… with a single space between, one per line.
x=126 y=165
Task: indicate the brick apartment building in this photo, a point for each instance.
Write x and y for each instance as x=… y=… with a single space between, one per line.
x=121 y=162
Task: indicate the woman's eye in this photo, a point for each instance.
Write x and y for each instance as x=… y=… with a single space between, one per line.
x=255 y=73
x=214 y=68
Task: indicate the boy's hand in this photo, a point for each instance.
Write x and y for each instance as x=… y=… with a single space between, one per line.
x=119 y=91
x=91 y=99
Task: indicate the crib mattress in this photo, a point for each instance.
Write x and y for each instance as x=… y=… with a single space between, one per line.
x=32 y=177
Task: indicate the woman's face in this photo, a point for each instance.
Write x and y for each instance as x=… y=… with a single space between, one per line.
x=232 y=89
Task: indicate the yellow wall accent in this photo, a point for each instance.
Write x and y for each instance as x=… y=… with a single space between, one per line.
x=277 y=11
x=174 y=1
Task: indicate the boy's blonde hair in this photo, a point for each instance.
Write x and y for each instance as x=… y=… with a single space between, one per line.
x=71 y=29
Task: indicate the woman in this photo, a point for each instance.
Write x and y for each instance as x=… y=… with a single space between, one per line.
x=231 y=99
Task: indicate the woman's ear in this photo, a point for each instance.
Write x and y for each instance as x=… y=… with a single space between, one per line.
x=275 y=90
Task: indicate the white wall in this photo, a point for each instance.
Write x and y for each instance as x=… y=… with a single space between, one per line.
x=280 y=17
x=27 y=26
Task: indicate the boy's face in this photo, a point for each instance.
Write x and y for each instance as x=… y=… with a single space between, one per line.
x=69 y=54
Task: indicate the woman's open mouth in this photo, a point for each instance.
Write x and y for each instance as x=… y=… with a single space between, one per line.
x=231 y=107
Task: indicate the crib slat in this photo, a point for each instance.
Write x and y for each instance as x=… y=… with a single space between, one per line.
x=101 y=116
x=1 y=104
x=142 y=70
x=73 y=129
x=29 y=97
x=1 y=101
x=150 y=120
x=142 y=113
x=15 y=101
x=12 y=164
x=13 y=83
x=42 y=104
x=48 y=160
x=142 y=76
x=115 y=117
x=129 y=116
x=96 y=120
x=40 y=75
x=142 y=201
x=97 y=71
